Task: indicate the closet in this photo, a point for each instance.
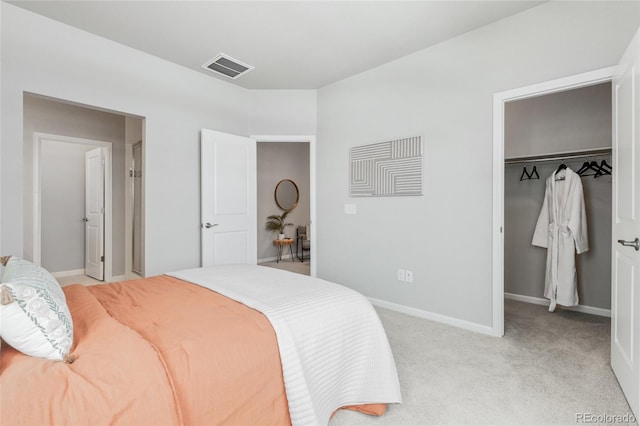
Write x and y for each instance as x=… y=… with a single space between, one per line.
x=541 y=133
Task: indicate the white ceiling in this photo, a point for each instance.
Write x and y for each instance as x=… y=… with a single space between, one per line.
x=292 y=44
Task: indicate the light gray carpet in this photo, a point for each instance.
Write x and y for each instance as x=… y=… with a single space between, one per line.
x=547 y=368
x=286 y=264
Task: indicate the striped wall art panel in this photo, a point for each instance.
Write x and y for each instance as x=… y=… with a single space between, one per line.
x=386 y=169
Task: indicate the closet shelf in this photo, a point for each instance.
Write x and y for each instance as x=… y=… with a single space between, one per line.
x=558 y=156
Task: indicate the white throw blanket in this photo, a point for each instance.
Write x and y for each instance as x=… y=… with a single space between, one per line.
x=333 y=347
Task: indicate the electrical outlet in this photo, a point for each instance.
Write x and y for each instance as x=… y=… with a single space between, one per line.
x=408 y=276
x=401 y=275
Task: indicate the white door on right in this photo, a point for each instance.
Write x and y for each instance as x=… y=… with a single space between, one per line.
x=625 y=285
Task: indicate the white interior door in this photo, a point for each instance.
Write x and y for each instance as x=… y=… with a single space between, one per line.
x=94 y=214
x=228 y=199
x=625 y=297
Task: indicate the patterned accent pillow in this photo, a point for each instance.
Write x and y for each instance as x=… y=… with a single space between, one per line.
x=36 y=319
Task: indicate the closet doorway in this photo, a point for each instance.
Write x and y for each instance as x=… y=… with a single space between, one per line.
x=593 y=78
x=569 y=129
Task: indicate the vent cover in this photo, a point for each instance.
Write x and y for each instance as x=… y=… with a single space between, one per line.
x=227 y=66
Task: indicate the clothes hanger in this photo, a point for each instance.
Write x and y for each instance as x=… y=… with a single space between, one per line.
x=584 y=168
x=561 y=167
x=603 y=169
x=593 y=166
x=533 y=175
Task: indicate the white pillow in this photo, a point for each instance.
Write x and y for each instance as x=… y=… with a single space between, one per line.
x=36 y=320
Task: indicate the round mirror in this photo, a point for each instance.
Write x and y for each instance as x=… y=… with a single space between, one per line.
x=287 y=194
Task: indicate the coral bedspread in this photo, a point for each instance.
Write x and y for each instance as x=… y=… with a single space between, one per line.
x=153 y=351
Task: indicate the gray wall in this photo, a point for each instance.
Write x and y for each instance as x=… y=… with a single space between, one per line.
x=282 y=112
x=444 y=93
x=48 y=116
x=559 y=122
x=277 y=161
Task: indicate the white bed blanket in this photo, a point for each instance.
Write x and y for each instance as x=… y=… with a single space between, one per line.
x=333 y=348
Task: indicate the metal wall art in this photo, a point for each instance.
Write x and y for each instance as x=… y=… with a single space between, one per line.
x=386 y=169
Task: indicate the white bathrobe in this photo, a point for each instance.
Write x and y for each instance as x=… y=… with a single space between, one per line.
x=562 y=229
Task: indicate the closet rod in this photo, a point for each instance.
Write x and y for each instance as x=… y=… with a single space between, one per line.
x=554 y=157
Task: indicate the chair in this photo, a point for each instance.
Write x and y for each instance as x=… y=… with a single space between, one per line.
x=303 y=242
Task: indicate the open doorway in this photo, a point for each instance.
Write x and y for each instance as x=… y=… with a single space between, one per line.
x=500 y=101
x=286 y=162
x=72 y=206
x=76 y=228
x=569 y=130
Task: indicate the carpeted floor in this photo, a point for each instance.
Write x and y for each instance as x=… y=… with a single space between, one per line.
x=547 y=369
x=286 y=264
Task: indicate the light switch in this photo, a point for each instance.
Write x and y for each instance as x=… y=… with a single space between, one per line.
x=349 y=209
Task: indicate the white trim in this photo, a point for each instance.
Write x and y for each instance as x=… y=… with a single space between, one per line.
x=128 y=209
x=455 y=322
x=68 y=273
x=499 y=99
x=129 y=205
x=311 y=139
x=545 y=302
x=38 y=138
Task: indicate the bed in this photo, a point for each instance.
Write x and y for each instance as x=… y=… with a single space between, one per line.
x=235 y=344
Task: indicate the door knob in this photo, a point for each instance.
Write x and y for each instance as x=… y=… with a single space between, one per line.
x=84 y=219
x=635 y=243
x=209 y=225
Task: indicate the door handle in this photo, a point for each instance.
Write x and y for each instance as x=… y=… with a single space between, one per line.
x=635 y=243
x=209 y=225
x=84 y=219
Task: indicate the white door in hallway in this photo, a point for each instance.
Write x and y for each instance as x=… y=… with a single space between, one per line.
x=94 y=213
x=625 y=285
x=228 y=199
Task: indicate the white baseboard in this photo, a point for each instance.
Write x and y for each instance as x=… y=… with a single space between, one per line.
x=74 y=272
x=478 y=328
x=545 y=302
x=68 y=273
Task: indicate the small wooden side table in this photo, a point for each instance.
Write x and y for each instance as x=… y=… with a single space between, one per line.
x=281 y=246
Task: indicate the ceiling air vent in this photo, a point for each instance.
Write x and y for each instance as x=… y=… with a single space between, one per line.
x=227 y=66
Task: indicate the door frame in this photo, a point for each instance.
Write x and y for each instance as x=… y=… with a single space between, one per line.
x=499 y=99
x=311 y=139
x=128 y=207
x=38 y=138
